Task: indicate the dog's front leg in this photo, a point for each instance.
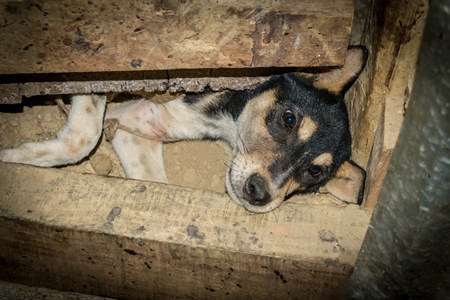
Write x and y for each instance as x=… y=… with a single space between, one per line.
x=141 y=158
x=74 y=141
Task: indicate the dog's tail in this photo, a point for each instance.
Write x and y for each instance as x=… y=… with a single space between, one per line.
x=74 y=141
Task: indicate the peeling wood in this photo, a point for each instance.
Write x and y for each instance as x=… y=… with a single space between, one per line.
x=12 y=93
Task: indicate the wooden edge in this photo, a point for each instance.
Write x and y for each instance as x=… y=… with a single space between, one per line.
x=393 y=35
x=375 y=186
x=12 y=93
x=9 y=290
x=132 y=239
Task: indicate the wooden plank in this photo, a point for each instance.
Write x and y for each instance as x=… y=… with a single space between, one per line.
x=9 y=290
x=138 y=240
x=377 y=102
x=405 y=254
x=42 y=36
x=12 y=93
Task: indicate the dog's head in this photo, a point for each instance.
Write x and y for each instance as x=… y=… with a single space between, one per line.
x=295 y=137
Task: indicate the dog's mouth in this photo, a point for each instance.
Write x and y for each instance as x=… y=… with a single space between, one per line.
x=252 y=193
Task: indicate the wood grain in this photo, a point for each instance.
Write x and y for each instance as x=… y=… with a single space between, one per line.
x=41 y=36
x=139 y=240
x=393 y=35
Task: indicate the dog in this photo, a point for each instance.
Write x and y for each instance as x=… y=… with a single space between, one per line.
x=289 y=135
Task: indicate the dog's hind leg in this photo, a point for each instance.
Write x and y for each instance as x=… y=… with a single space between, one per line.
x=141 y=158
x=74 y=141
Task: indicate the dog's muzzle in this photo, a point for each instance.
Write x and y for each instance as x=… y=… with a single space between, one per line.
x=255 y=191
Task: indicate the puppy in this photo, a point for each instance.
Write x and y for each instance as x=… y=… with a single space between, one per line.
x=291 y=134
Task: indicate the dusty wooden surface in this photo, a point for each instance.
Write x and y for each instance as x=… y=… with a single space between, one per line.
x=378 y=101
x=127 y=47
x=132 y=239
x=9 y=290
x=12 y=93
x=110 y=35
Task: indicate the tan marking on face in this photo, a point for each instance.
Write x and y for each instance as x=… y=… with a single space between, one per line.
x=307 y=128
x=291 y=186
x=325 y=159
x=256 y=150
x=254 y=131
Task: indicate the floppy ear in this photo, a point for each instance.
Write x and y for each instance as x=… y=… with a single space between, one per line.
x=339 y=80
x=348 y=183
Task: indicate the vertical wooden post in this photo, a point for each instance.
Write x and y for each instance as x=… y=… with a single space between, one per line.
x=406 y=251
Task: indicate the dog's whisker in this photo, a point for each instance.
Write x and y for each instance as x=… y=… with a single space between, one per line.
x=237 y=140
x=274 y=214
x=242 y=145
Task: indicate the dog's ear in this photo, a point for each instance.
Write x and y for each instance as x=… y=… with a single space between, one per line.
x=348 y=183
x=339 y=80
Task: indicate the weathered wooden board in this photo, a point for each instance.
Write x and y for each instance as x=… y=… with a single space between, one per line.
x=12 y=93
x=139 y=240
x=10 y=290
x=378 y=100
x=40 y=36
x=406 y=251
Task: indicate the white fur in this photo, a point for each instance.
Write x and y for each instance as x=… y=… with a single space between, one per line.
x=74 y=141
x=142 y=158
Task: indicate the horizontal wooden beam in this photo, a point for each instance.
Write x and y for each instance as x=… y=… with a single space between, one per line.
x=138 y=240
x=174 y=81
x=110 y=35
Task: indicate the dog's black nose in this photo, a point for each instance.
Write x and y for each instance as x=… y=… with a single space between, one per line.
x=255 y=191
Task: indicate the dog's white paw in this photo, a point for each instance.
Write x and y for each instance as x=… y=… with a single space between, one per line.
x=74 y=141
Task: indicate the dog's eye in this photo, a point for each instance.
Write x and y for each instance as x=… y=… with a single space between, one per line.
x=315 y=170
x=289 y=119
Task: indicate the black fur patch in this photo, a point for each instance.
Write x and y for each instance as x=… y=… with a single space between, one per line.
x=332 y=135
x=229 y=103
